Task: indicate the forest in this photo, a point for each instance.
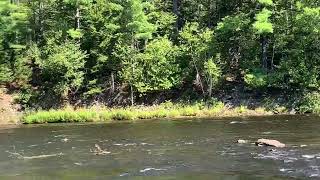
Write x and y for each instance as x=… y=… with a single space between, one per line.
x=129 y=52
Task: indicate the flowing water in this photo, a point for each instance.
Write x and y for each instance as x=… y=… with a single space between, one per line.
x=163 y=149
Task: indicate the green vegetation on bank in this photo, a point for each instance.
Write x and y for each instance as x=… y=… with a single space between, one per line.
x=130 y=52
x=310 y=103
x=165 y=110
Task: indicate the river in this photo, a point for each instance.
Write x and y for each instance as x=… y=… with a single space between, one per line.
x=163 y=149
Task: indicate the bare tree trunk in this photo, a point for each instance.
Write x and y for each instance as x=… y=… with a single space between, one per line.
x=176 y=11
x=131 y=91
x=264 y=52
x=198 y=77
x=77 y=18
x=272 y=59
x=210 y=4
x=210 y=87
x=40 y=23
x=112 y=83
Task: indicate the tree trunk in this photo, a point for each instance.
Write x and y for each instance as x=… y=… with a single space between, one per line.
x=198 y=77
x=210 y=14
x=77 y=18
x=210 y=87
x=131 y=91
x=176 y=11
x=272 y=59
x=264 y=52
x=40 y=23
x=112 y=83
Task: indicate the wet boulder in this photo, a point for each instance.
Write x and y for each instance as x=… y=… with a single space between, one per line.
x=269 y=142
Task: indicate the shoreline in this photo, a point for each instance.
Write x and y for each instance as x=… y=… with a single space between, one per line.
x=132 y=114
x=182 y=118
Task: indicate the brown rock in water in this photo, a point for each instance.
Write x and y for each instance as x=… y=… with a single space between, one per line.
x=269 y=142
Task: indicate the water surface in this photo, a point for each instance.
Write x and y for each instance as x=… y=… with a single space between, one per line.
x=164 y=149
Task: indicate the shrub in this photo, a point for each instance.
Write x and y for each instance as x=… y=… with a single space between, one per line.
x=218 y=107
x=241 y=109
x=123 y=115
x=256 y=80
x=105 y=115
x=310 y=103
x=189 y=111
x=167 y=105
x=173 y=113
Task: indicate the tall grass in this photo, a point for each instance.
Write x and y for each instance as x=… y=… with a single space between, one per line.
x=165 y=110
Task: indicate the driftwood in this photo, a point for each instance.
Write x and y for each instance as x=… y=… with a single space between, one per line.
x=99 y=151
x=19 y=156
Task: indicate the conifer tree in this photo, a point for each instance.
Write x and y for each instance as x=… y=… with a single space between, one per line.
x=139 y=31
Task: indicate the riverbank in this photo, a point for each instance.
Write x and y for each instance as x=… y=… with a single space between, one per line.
x=164 y=110
x=242 y=104
x=9 y=110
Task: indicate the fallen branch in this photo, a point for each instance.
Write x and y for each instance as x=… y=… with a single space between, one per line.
x=19 y=156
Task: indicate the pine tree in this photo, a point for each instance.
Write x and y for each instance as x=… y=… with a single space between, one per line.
x=138 y=31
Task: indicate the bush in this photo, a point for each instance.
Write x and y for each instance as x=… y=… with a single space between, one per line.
x=167 y=105
x=241 y=109
x=256 y=80
x=123 y=114
x=173 y=113
x=310 y=103
x=189 y=111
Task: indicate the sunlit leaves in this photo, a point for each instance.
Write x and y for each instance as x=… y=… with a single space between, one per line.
x=263 y=24
x=159 y=68
x=138 y=23
x=266 y=2
x=212 y=70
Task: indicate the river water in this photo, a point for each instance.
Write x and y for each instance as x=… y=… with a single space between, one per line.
x=163 y=149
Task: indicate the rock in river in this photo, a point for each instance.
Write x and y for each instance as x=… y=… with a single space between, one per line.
x=241 y=141
x=269 y=142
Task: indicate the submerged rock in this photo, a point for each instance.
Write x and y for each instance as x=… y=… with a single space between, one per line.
x=241 y=141
x=269 y=142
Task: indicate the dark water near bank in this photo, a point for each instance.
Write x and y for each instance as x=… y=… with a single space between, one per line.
x=163 y=149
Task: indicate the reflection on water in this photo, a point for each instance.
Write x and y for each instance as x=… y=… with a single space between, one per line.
x=163 y=149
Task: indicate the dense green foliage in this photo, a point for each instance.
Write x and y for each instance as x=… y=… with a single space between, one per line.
x=61 y=52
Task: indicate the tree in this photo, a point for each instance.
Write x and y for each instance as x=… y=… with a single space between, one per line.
x=78 y=5
x=62 y=68
x=263 y=27
x=157 y=67
x=138 y=30
x=212 y=73
x=13 y=37
x=235 y=40
x=103 y=20
x=196 y=46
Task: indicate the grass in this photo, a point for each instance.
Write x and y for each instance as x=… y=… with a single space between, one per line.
x=165 y=110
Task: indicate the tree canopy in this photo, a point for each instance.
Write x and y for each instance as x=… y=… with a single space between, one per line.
x=100 y=50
